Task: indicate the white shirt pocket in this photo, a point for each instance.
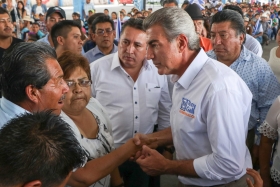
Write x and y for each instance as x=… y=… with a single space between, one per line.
x=153 y=92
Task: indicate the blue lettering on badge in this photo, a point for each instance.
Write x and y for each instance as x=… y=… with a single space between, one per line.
x=187 y=106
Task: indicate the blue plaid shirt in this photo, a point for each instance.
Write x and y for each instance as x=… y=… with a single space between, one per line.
x=258 y=76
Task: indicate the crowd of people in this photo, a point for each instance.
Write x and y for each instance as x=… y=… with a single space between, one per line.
x=86 y=104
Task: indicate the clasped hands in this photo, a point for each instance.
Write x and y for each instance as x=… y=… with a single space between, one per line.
x=150 y=160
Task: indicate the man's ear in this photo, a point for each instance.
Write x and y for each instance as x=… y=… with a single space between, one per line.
x=32 y=93
x=60 y=40
x=182 y=42
x=92 y=36
x=35 y=183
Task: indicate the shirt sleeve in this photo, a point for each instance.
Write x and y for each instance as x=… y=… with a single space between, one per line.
x=270 y=125
x=164 y=106
x=226 y=114
x=93 y=79
x=269 y=89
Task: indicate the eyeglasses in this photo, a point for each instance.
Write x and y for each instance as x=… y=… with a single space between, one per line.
x=81 y=82
x=101 y=32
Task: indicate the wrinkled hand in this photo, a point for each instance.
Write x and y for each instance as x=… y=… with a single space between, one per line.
x=140 y=140
x=152 y=162
x=258 y=182
x=143 y=139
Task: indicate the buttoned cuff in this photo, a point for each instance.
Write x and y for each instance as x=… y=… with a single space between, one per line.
x=202 y=170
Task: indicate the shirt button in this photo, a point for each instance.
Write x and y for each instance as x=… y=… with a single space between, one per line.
x=135 y=131
x=134 y=88
x=136 y=102
x=136 y=117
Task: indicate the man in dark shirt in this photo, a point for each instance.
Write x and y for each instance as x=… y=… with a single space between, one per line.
x=6 y=32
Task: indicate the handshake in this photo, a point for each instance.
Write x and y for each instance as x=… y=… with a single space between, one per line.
x=142 y=151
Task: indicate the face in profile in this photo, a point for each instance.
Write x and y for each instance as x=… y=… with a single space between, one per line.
x=51 y=96
x=278 y=37
x=73 y=41
x=79 y=92
x=163 y=53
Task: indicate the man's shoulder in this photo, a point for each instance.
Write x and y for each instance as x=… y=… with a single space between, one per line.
x=211 y=54
x=44 y=39
x=17 y=40
x=253 y=62
x=4 y=117
x=253 y=45
x=103 y=62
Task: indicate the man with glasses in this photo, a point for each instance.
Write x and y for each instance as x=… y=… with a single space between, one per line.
x=135 y=96
x=103 y=33
x=66 y=36
x=54 y=15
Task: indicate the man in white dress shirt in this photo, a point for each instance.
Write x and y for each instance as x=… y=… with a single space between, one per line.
x=210 y=109
x=135 y=96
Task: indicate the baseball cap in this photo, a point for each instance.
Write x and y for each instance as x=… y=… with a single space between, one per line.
x=76 y=13
x=246 y=19
x=55 y=9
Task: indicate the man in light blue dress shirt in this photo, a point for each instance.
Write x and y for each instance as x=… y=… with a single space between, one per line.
x=31 y=80
x=103 y=33
x=254 y=70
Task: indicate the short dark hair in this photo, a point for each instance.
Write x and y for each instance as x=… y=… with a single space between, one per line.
x=22 y=65
x=235 y=19
x=39 y=146
x=92 y=18
x=235 y=8
x=102 y=19
x=169 y=1
x=135 y=23
x=4 y=11
x=36 y=23
x=62 y=28
x=70 y=61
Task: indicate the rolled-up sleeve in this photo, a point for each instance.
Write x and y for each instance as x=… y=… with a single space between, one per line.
x=226 y=115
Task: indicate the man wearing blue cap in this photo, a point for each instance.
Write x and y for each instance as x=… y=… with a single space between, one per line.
x=53 y=15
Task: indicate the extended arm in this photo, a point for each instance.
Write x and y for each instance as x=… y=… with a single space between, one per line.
x=98 y=168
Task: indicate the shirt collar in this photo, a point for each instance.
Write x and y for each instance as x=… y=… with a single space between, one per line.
x=191 y=72
x=244 y=55
x=97 y=51
x=147 y=64
x=10 y=108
